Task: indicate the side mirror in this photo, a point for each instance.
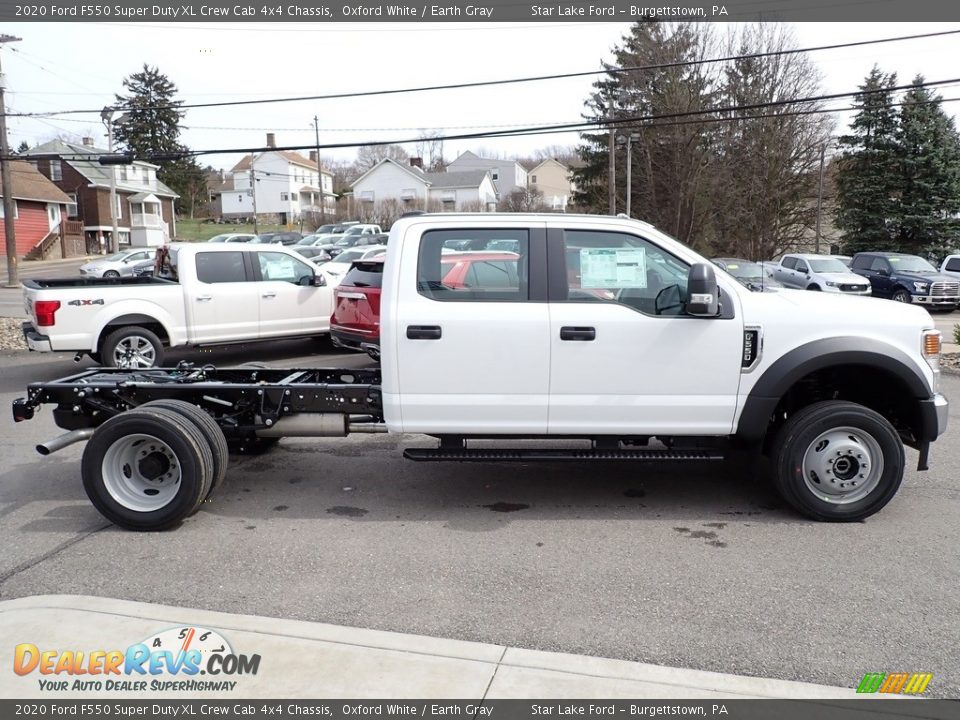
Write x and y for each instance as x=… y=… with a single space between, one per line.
x=319 y=280
x=884 y=272
x=703 y=295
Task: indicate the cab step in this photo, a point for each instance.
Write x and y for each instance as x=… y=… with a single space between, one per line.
x=556 y=455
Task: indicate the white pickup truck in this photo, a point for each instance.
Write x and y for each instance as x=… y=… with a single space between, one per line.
x=223 y=294
x=603 y=330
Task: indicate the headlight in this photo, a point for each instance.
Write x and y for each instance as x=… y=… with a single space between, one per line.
x=921 y=287
x=831 y=284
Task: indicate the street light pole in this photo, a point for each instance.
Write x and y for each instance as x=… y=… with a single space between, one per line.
x=823 y=151
x=323 y=205
x=6 y=183
x=107 y=116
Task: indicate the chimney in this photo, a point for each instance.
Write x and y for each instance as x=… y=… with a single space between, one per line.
x=88 y=142
x=271 y=140
x=313 y=156
x=416 y=162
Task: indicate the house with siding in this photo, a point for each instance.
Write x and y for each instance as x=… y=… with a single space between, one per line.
x=39 y=215
x=507 y=175
x=145 y=206
x=451 y=191
x=555 y=181
x=287 y=185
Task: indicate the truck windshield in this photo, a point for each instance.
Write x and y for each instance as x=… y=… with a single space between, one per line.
x=828 y=266
x=911 y=263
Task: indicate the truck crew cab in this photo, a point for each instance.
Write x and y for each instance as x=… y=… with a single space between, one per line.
x=605 y=330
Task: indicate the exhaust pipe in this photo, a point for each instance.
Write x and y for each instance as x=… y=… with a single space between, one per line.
x=61 y=441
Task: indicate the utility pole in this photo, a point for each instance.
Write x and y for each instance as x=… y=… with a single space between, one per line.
x=612 y=171
x=253 y=194
x=107 y=116
x=323 y=206
x=823 y=151
x=6 y=182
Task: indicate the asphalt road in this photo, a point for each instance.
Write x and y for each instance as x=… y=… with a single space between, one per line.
x=698 y=567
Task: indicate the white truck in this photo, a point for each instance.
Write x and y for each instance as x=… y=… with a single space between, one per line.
x=223 y=293
x=607 y=332
x=824 y=273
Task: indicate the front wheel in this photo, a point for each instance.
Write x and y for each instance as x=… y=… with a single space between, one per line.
x=111 y=274
x=902 y=296
x=814 y=287
x=838 y=461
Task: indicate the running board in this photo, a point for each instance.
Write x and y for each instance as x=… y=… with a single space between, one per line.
x=555 y=455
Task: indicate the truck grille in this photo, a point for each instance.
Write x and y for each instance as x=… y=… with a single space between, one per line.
x=945 y=289
x=852 y=288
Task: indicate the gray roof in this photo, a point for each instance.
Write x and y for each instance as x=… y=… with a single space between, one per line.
x=91 y=169
x=466 y=178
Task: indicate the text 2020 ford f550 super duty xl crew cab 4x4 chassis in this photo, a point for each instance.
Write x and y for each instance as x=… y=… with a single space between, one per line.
x=605 y=330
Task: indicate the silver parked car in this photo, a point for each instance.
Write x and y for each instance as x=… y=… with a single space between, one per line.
x=120 y=264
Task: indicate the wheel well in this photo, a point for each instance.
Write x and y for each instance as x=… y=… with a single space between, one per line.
x=813 y=286
x=144 y=321
x=870 y=386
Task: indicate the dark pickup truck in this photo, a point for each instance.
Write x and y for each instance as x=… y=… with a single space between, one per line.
x=908 y=279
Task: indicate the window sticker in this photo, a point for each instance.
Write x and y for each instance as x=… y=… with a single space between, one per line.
x=613 y=268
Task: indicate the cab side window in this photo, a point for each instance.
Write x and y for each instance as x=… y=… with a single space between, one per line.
x=879 y=264
x=282 y=267
x=220 y=267
x=790 y=263
x=471 y=265
x=615 y=267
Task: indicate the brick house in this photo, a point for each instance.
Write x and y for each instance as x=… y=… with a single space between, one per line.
x=145 y=206
x=40 y=210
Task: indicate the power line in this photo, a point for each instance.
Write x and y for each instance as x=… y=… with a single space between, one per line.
x=512 y=81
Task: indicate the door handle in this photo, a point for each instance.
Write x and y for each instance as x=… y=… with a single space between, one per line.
x=578 y=333
x=269 y=294
x=423 y=332
x=204 y=298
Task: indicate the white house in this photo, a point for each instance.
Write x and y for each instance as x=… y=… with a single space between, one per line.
x=555 y=181
x=508 y=175
x=287 y=185
x=391 y=180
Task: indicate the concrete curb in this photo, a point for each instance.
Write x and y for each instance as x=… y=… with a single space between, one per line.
x=313 y=660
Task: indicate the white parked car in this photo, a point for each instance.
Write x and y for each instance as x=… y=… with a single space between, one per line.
x=120 y=264
x=335 y=270
x=951 y=266
x=819 y=272
x=233 y=237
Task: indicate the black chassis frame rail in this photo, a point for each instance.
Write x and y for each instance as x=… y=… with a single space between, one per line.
x=241 y=400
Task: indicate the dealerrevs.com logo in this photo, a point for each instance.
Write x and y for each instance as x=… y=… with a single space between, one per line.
x=172 y=660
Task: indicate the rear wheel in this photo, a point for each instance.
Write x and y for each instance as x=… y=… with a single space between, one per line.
x=837 y=461
x=111 y=274
x=901 y=295
x=147 y=469
x=208 y=428
x=132 y=348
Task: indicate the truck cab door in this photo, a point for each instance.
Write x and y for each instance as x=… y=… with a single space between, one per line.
x=289 y=302
x=467 y=352
x=785 y=272
x=221 y=304
x=625 y=359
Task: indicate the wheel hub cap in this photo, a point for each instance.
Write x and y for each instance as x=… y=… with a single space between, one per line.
x=141 y=472
x=842 y=465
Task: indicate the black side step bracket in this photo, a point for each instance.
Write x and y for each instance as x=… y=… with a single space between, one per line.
x=555 y=455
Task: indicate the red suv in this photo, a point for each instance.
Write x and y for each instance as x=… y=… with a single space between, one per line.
x=355 y=323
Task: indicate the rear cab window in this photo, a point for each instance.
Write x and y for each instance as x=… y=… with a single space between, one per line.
x=460 y=265
x=220 y=267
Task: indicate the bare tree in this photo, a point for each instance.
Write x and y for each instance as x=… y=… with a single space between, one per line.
x=370 y=155
x=523 y=200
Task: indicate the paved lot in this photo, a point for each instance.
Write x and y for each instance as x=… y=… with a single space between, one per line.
x=694 y=567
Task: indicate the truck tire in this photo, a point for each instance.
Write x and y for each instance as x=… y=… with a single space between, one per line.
x=901 y=295
x=208 y=429
x=131 y=348
x=147 y=469
x=814 y=287
x=837 y=461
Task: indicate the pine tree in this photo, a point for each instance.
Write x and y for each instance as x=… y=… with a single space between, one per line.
x=22 y=147
x=867 y=176
x=929 y=175
x=150 y=125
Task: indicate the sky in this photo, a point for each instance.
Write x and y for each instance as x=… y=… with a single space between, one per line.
x=63 y=66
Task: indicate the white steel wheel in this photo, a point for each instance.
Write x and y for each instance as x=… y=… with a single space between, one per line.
x=147 y=469
x=141 y=472
x=843 y=465
x=837 y=461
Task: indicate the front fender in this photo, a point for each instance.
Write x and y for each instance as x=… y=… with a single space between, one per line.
x=773 y=384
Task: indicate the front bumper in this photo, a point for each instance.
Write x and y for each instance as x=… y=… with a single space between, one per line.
x=938 y=300
x=35 y=341
x=934 y=414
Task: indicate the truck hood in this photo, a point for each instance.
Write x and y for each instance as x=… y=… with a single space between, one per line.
x=923 y=277
x=845 y=278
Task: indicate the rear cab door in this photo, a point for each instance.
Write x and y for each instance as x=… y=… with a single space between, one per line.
x=461 y=355
x=786 y=271
x=220 y=297
x=625 y=358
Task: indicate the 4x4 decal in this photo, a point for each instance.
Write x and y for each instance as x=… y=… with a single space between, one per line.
x=78 y=303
